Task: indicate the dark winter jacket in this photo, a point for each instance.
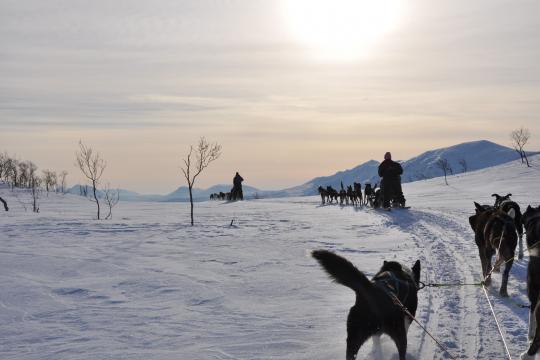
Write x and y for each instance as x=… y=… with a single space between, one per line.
x=237 y=181
x=389 y=169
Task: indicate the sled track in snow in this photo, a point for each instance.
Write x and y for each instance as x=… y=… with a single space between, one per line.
x=458 y=316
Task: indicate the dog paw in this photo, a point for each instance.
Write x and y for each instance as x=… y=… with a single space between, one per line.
x=503 y=293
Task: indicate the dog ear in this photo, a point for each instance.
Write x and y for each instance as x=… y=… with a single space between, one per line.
x=496 y=195
x=508 y=195
x=478 y=207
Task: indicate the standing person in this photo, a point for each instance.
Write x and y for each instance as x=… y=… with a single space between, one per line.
x=237 y=187
x=390 y=172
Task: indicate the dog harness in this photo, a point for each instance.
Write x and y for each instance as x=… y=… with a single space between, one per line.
x=504 y=202
x=389 y=282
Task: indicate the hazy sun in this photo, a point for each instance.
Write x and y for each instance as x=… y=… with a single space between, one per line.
x=341 y=29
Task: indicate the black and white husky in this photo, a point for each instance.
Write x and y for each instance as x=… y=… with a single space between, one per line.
x=531 y=221
x=505 y=204
x=375 y=311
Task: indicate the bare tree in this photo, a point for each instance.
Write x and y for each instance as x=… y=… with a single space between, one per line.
x=3 y=161
x=35 y=190
x=111 y=197
x=464 y=165
x=520 y=137
x=92 y=166
x=63 y=182
x=443 y=164
x=50 y=179
x=54 y=182
x=5 y=167
x=11 y=172
x=24 y=177
x=32 y=179
x=197 y=160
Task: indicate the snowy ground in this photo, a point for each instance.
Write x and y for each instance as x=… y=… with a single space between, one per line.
x=146 y=285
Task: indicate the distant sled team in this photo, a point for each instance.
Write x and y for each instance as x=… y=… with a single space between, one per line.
x=371 y=196
x=236 y=192
x=388 y=195
x=384 y=303
x=352 y=196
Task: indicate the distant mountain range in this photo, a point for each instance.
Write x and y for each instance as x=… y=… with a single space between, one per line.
x=474 y=155
x=180 y=194
x=463 y=157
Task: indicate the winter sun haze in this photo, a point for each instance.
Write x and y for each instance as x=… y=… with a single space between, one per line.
x=290 y=89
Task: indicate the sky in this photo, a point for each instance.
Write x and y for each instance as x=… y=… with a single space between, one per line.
x=291 y=90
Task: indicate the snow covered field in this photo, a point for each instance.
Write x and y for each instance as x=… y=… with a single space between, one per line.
x=146 y=285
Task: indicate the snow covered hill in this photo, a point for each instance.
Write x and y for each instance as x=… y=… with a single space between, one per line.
x=364 y=173
x=474 y=155
x=146 y=285
x=464 y=157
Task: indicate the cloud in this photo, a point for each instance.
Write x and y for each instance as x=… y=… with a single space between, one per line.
x=167 y=71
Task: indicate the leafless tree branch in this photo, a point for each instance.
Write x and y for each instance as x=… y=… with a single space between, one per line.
x=205 y=153
x=92 y=166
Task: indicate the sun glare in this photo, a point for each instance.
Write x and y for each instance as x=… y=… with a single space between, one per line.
x=341 y=30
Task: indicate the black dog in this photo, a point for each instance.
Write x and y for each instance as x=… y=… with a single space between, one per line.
x=358 y=192
x=494 y=231
x=531 y=220
x=505 y=203
x=369 y=193
x=323 y=194
x=332 y=194
x=375 y=311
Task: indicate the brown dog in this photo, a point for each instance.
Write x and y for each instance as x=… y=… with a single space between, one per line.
x=494 y=232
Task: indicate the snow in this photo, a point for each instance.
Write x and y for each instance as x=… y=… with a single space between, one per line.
x=146 y=285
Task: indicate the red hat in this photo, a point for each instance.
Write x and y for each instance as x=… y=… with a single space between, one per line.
x=388 y=156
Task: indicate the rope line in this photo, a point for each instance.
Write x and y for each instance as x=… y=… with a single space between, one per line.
x=497 y=322
x=408 y=313
x=497 y=257
x=424 y=285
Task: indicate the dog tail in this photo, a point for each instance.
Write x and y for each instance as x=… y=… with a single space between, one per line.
x=341 y=270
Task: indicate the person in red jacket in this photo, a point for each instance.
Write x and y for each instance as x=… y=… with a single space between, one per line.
x=390 y=172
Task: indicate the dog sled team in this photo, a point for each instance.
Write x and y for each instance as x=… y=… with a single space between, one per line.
x=387 y=303
x=236 y=192
x=388 y=195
